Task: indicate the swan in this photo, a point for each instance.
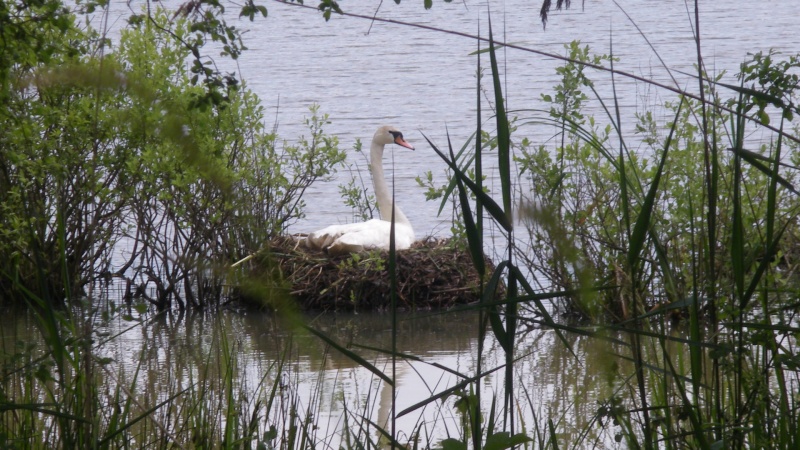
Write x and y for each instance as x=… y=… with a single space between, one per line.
x=372 y=234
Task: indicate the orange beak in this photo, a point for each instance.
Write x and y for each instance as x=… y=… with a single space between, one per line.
x=402 y=142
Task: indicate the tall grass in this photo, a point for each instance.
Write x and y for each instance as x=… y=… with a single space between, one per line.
x=164 y=381
x=738 y=387
x=625 y=245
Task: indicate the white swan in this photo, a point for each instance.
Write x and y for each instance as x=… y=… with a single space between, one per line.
x=372 y=234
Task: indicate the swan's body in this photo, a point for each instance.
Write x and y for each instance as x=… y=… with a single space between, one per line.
x=372 y=234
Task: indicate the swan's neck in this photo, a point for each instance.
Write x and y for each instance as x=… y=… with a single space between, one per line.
x=382 y=193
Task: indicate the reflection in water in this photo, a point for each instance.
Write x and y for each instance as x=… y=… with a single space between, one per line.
x=250 y=365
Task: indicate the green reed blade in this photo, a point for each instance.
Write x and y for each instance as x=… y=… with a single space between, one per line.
x=542 y=310
x=447 y=392
x=553 y=438
x=410 y=357
x=350 y=354
x=487 y=299
x=451 y=185
x=473 y=232
x=42 y=409
x=753 y=93
x=737 y=229
x=491 y=206
x=754 y=159
x=643 y=221
x=503 y=130
x=387 y=435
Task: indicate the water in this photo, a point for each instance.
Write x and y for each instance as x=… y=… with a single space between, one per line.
x=166 y=354
x=366 y=74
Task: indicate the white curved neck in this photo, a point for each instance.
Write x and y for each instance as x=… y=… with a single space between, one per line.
x=382 y=194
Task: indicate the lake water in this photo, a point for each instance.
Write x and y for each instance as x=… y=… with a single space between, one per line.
x=365 y=74
x=166 y=354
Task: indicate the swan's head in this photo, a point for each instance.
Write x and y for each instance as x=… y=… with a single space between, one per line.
x=390 y=135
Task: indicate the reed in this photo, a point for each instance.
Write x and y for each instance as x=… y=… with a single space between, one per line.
x=633 y=247
x=664 y=243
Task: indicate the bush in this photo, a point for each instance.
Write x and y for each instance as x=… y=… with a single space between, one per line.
x=117 y=169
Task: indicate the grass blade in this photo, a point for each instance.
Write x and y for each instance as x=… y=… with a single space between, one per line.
x=643 y=221
x=503 y=129
x=350 y=354
x=472 y=230
x=491 y=206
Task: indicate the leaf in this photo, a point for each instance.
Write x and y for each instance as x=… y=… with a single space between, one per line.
x=352 y=355
x=503 y=440
x=453 y=444
x=754 y=158
x=487 y=299
x=473 y=233
x=643 y=221
x=452 y=185
x=491 y=206
x=758 y=95
x=503 y=130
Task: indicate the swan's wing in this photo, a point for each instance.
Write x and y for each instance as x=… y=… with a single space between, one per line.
x=324 y=238
x=373 y=234
x=356 y=237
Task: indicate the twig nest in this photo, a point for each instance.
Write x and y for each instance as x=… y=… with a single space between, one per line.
x=432 y=274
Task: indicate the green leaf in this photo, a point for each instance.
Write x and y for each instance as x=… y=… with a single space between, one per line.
x=503 y=130
x=643 y=220
x=754 y=159
x=763 y=116
x=488 y=299
x=473 y=233
x=491 y=206
x=448 y=190
x=453 y=444
x=504 y=440
x=352 y=355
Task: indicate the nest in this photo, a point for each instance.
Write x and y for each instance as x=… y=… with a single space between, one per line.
x=432 y=274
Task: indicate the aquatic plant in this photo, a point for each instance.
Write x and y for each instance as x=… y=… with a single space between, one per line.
x=699 y=232
x=117 y=166
x=632 y=242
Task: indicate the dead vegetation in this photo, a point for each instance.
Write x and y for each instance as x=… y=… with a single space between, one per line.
x=432 y=274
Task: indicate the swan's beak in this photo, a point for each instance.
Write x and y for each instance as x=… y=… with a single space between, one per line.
x=402 y=142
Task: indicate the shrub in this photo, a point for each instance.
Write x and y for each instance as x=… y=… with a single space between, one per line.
x=118 y=169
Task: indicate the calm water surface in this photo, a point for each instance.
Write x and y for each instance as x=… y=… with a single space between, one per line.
x=167 y=354
x=366 y=74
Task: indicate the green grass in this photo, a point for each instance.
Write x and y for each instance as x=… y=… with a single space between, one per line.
x=677 y=263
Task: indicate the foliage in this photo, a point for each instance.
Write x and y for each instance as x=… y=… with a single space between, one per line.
x=688 y=226
x=207 y=23
x=692 y=218
x=579 y=179
x=112 y=166
x=60 y=165
x=356 y=193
